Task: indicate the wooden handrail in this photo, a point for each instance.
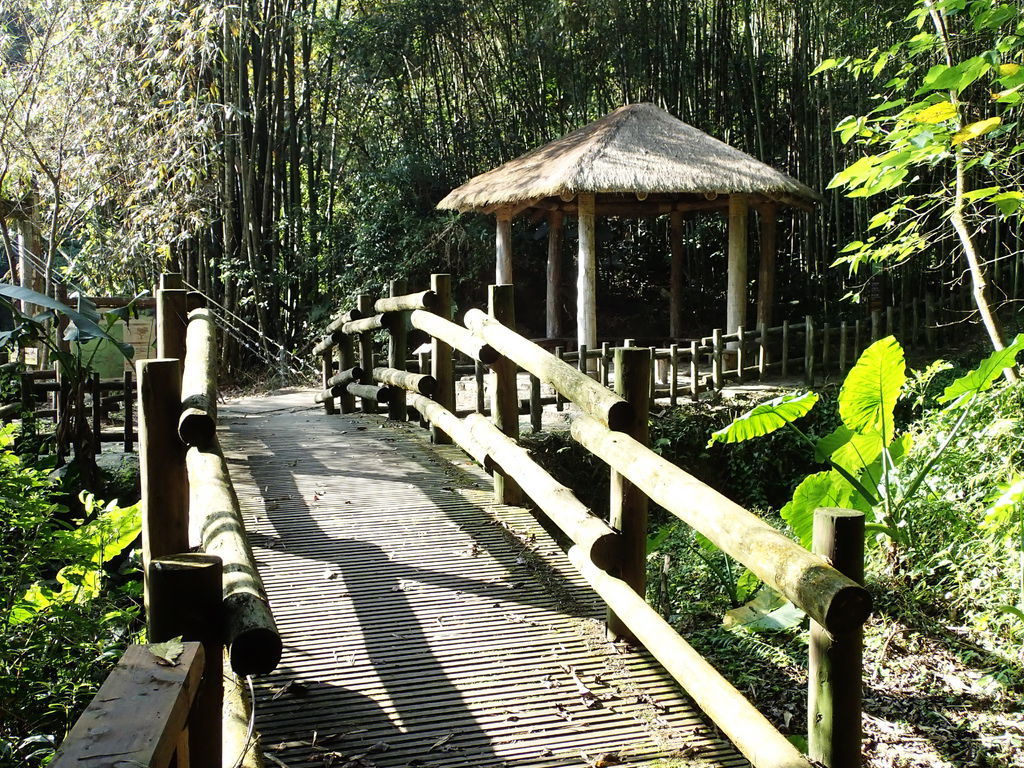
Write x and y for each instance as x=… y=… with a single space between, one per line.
x=139 y=713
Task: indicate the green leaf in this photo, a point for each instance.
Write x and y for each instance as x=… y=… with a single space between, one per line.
x=982 y=377
x=168 y=653
x=974 y=130
x=826 y=65
x=84 y=324
x=824 y=489
x=765 y=418
x=767 y=612
x=936 y=113
x=868 y=396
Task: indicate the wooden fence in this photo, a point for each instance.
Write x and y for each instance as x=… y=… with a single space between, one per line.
x=611 y=554
x=154 y=711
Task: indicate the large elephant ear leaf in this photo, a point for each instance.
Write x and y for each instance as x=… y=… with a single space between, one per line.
x=824 y=489
x=985 y=375
x=869 y=394
x=85 y=328
x=765 y=418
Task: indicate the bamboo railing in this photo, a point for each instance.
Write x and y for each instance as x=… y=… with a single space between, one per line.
x=609 y=554
x=213 y=599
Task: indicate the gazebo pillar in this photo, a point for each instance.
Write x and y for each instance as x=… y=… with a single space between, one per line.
x=675 y=307
x=503 y=247
x=736 y=295
x=586 y=275
x=766 y=274
x=553 y=310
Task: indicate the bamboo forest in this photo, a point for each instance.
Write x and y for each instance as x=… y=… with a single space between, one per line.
x=541 y=383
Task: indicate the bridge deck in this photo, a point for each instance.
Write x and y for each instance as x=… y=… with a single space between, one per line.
x=423 y=624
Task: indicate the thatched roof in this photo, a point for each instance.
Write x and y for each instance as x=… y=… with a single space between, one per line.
x=639 y=149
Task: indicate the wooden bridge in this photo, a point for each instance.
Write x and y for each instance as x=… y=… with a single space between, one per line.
x=396 y=601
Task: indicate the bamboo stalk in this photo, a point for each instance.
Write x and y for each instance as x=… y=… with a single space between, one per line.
x=589 y=395
x=250 y=630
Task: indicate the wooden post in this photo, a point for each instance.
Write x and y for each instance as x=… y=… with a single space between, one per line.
x=767 y=218
x=478 y=377
x=185 y=601
x=553 y=306
x=673 y=372
x=835 y=660
x=762 y=351
x=365 y=306
x=809 y=350
x=129 y=420
x=559 y=400
x=397 y=350
x=505 y=398
x=675 y=308
x=536 y=407
x=736 y=295
x=876 y=325
x=97 y=415
x=843 y=337
x=326 y=371
x=890 y=327
x=171 y=322
x=171 y=281
x=825 y=334
x=741 y=361
x=716 y=358
x=586 y=278
x=605 y=363
x=694 y=371
x=164 y=478
x=785 y=349
x=628 y=504
x=346 y=360
x=503 y=246
x=857 y=335
x=929 y=320
x=442 y=367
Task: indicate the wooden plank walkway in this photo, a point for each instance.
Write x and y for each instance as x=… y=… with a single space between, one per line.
x=424 y=625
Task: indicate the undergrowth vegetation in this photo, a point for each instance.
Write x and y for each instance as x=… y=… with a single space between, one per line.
x=69 y=603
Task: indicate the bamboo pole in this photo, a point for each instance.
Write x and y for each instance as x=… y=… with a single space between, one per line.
x=198 y=421
x=675 y=306
x=553 y=308
x=745 y=727
x=589 y=395
x=627 y=506
x=809 y=351
x=843 y=341
x=835 y=659
x=505 y=395
x=249 y=627
x=826 y=595
x=454 y=335
x=407 y=382
x=504 y=454
x=441 y=363
x=164 y=480
x=785 y=348
x=399 y=301
x=185 y=602
x=436 y=414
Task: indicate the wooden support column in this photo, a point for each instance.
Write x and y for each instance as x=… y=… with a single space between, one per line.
x=365 y=306
x=586 y=275
x=398 y=348
x=171 y=322
x=736 y=298
x=164 y=478
x=553 y=304
x=503 y=247
x=675 y=307
x=442 y=367
x=767 y=219
x=185 y=601
x=628 y=504
x=505 y=393
x=346 y=360
x=835 y=659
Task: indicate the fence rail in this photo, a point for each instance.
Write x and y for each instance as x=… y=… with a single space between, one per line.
x=609 y=554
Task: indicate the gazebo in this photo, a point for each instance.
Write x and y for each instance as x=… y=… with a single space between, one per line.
x=637 y=161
